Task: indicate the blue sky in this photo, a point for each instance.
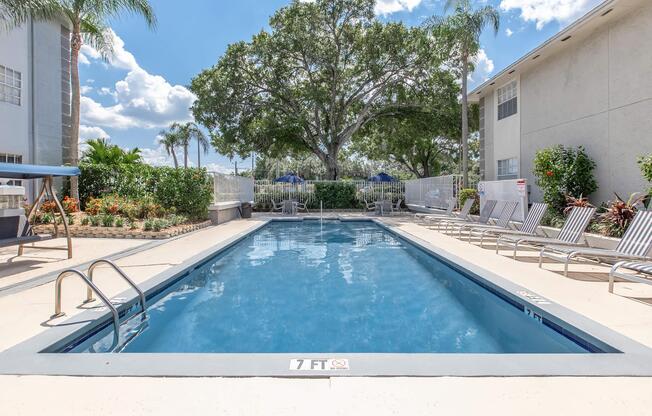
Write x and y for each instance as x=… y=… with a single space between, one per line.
x=142 y=89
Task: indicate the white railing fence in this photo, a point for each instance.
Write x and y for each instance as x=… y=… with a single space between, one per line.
x=229 y=188
x=433 y=192
x=506 y=190
x=267 y=191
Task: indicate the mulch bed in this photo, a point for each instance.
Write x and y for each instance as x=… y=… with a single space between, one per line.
x=87 y=231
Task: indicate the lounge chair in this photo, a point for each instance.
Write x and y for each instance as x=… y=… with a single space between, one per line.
x=448 y=213
x=463 y=214
x=635 y=245
x=643 y=268
x=530 y=225
x=503 y=220
x=502 y=223
x=12 y=234
x=277 y=207
x=569 y=234
x=485 y=216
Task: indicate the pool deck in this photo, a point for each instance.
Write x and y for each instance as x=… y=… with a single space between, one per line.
x=26 y=302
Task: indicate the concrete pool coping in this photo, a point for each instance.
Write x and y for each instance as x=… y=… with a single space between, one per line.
x=635 y=359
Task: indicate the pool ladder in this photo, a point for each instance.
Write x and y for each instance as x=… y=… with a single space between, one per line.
x=92 y=288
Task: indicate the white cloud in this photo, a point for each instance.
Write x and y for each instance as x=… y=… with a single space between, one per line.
x=484 y=66
x=87 y=132
x=509 y=32
x=142 y=99
x=385 y=7
x=392 y=6
x=85 y=89
x=546 y=11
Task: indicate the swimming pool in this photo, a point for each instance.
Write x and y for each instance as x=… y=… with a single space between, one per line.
x=336 y=287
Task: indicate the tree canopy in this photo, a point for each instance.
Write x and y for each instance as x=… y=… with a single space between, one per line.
x=101 y=151
x=323 y=72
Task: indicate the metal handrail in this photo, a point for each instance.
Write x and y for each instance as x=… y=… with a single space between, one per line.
x=90 y=287
x=91 y=268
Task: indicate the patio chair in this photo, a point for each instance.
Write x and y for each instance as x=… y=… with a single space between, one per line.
x=12 y=234
x=302 y=206
x=277 y=207
x=530 y=225
x=485 y=216
x=644 y=275
x=502 y=223
x=463 y=214
x=635 y=245
x=396 y=208
x=569 y=234
x=506 y=212
x=369 y=206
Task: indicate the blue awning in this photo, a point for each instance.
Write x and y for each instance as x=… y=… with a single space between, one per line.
x=18 y=171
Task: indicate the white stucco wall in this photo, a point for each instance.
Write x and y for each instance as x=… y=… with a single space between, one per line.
x=15 y=119
x=595 y=92
x=506 y=132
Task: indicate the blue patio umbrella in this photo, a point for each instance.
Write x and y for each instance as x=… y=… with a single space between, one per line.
x=289 y=178
x=382 y=177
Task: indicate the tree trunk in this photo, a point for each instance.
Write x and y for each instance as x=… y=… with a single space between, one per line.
x=174 y=157
x=185 y=156
x=332 y=167
x=199 y=155
x=465 y=123
x=71 y=148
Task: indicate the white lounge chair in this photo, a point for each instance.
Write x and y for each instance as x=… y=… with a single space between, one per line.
x=447 y=213
x=570 y=233
x=396 y=208
x=635 y=245
x=502 y=223
x=530 y=225
x=485 y=216
x=277 y=207
x=644 y=270
x=463 y=214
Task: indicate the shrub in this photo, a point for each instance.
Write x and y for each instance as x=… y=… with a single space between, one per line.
x=562 y=171
x=48 y=206
x=119 y=222
x=336 y=195
x=85 y=221
x=470 y=193
x=70 y=205
x=94 y=220
x=71 y=220
x=160 y=224
x=132 y=224
x=645 y=162
x=47 y=218
x=148 y=225
x=618 y=216
x=188 y=191
x=93 y=206
x=108 y=220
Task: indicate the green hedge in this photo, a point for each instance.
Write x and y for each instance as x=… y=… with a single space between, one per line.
x=189 y=191
x=336 y=195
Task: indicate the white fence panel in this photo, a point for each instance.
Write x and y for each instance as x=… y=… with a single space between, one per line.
x=267 y=191
x=433 y=192
x=232 y=188
x=508 y=190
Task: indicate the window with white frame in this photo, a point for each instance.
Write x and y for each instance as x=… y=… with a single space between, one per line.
x=507 y=169
x=12 y=158
x=507 y=100
x=10 y=85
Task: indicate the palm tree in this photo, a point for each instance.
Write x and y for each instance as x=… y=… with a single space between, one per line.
x=463 y=29
x=87 y=18
x=101 y=151
x=170 y=140
x=185 y=133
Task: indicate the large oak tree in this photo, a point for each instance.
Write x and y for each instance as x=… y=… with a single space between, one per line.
x=320 y=74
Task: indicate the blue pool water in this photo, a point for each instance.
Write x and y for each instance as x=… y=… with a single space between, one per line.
x=342 y=287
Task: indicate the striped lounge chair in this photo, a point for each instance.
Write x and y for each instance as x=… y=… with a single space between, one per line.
x=570 y=233
x=643 y=268
x=502 y=222
x=529 y=228
x=485 y=216
x=635 y=245
x=461 y=215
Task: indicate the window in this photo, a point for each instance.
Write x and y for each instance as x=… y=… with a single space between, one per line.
x=11 y=158
x=507 y=100
x=508 y=169
x=10 y=85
